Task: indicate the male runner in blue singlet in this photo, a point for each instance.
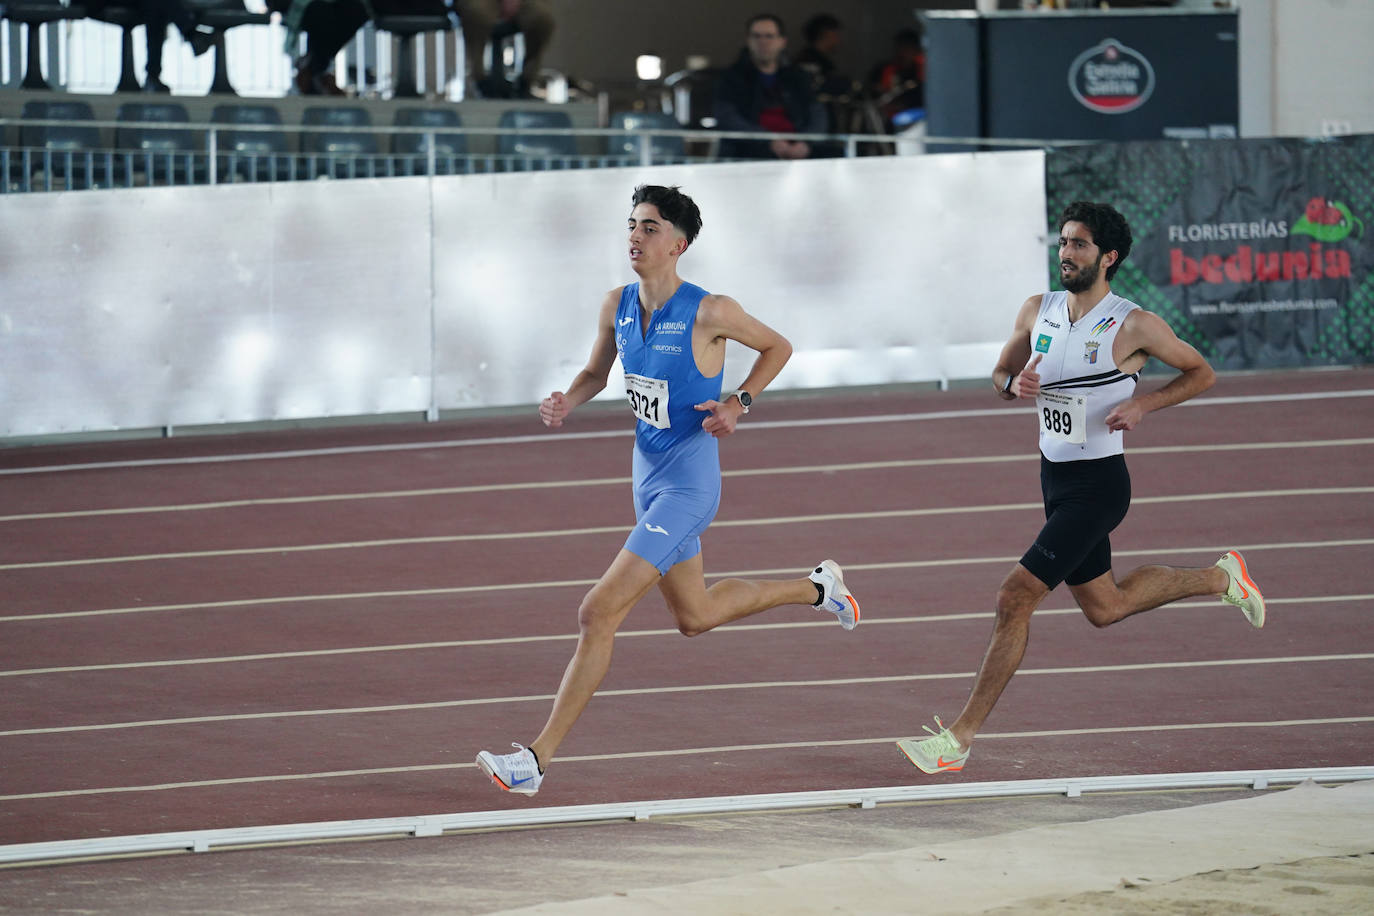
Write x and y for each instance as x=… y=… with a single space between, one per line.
x=670 y=337
x=1082 y=350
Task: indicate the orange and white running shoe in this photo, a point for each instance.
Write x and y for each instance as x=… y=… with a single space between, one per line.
x=939 y=753
x=1242 y=592
x=518 y=772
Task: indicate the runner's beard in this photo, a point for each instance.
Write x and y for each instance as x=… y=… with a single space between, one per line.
x=1083 y=278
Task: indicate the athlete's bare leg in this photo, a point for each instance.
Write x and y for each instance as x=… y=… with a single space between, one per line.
x=697 y=608
x=1105 y=601
x=1020 y=594
x=603 y=609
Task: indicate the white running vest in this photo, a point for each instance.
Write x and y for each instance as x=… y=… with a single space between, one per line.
x=1079 y=381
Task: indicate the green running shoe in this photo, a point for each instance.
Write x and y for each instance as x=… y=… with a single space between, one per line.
x=939 y=753
x=1242 y=592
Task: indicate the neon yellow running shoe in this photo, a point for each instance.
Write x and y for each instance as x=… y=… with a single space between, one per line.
x=939 y=753
x=1242 y=592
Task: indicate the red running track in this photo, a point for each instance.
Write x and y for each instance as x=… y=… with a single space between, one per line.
x=290 y=627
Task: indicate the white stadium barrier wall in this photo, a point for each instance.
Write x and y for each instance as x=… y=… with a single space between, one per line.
x=192 y=306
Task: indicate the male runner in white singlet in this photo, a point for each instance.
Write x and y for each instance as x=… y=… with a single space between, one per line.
x=670 y=338
x=1082 y=350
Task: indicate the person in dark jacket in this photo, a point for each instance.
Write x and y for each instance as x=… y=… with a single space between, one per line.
x=762 y=92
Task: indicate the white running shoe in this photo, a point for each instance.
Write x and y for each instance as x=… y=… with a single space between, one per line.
x=1242 y=592
x=518 y=772
x=837 y=599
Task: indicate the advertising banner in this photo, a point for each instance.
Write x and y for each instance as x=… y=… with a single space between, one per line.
x=1084 y=75
x=1257 y=252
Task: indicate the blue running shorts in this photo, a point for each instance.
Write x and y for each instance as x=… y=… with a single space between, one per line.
x=676 y=493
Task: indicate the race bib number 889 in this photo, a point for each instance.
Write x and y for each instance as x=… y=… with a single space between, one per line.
x=648 y=399
x=1063 y=416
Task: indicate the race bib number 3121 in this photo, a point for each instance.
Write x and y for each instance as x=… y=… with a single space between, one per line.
x=648 y=399
x=1063 y=416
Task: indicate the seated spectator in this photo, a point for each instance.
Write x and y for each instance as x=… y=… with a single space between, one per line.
x=157 y=15
x=328 y=25
x=761 y=92
x=481 y=19
x=898 y=84
x=823 y=34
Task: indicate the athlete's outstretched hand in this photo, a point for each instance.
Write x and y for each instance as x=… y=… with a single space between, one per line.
x=553 y=409
x=722 y=420
x=1027 y=383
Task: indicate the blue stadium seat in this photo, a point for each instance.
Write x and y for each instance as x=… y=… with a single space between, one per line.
x=255 y=155
x=412 y=150
x=161 y=153
x=340 y=153
x=663 y=150
x=532 y=150
x=71 y=152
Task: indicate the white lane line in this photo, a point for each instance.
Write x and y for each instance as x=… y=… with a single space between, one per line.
x=686 y=688
x=584 y=583
x=613 y=529
x=897 y=464
x=623 y=634
x=693 y=751
x=1017 y=412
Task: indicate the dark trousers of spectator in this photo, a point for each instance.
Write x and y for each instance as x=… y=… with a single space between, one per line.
x=157 y=15
x=327 y=27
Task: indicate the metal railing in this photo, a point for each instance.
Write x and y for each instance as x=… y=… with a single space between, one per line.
x=183 y=153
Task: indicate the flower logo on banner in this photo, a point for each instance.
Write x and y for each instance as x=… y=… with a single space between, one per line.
x=1327 y=221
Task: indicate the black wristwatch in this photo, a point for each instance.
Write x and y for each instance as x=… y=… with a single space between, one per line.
x=746 y=400
x=1006 y=389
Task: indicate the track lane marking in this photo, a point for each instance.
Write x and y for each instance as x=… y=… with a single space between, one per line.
x=572 y=637
x=545 y=438
x=586 y=583
x=683 y=688
x=622 y=528
x=689 y=752
x=895 y=464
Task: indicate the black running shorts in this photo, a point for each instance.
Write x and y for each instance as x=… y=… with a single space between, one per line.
x=1084 y=502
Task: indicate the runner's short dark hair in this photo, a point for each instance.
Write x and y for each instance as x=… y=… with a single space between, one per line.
x=674 y=206
x=1110 y=230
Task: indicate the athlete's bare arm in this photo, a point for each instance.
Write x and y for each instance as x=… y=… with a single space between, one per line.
x=720 y=318
x=592 y=379
x=1016 y=354
x=1144 y=334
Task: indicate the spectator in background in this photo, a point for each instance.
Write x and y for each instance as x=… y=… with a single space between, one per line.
x=328 y=26
x=483 y=20
x=898 y=84
x=762 y=92
x=157 y=15
x=823 y=34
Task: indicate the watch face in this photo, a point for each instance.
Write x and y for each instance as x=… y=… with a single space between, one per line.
x=745 y=398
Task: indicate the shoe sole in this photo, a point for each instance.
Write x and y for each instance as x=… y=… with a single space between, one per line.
x=908 y=747
x=487 y=768
x=1256 y=621
x=834 y=569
